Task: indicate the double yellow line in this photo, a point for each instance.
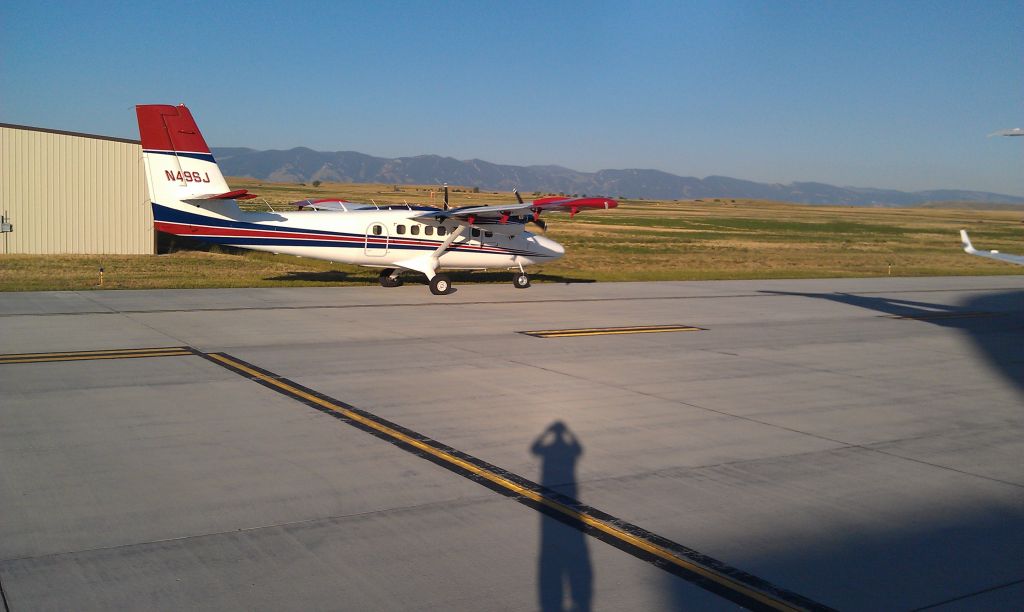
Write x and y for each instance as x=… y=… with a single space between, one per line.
x=608 y=529
x=610 y=331
x=167 y=351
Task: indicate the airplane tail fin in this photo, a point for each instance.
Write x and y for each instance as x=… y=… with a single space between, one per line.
x=968 y=247
x=179 y=165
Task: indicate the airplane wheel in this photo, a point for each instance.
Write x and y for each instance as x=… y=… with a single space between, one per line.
x=521 y=281
x=440 y=284
x=387 y=281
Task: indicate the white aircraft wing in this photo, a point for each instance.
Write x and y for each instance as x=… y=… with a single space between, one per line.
x=495 y=218
x=970 y=250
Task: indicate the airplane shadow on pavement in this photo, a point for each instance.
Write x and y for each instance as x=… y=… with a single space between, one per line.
x=952 y=552
x=564 y=567
x=993 y=322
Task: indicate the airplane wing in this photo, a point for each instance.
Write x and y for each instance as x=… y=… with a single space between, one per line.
x=573 y=205
x=497 y=215
x=322 y=205
x=1010 y=132
x=970 y=250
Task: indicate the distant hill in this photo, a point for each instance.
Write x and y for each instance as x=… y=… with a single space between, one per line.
x=302 y=165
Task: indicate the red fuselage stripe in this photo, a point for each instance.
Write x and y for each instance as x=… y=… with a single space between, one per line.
x=184 y=229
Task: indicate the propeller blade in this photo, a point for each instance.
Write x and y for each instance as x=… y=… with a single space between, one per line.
x=518 y=197
x=446 y=196
x=541 y=224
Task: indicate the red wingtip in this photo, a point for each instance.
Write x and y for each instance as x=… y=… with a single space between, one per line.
x=594 y=203
x=169 y=128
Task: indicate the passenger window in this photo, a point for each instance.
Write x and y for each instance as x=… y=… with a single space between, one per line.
x=414 y=230
x=488 y=234
x=400 y=229
x=476 y=233
x=441 y=231
x=428 y=230
x=377 y=230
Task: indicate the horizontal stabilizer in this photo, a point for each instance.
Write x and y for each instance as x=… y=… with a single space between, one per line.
x=237 y=194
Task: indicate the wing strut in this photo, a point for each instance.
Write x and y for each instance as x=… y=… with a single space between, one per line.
x=428 y=263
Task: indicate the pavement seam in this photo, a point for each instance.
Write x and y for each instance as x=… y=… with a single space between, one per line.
x=864 y=447
x=112 y=310
x=680 y=402
x=940 y=466
x=468 y=501
x=843 y=444
x=3 y=596
x=969 y=595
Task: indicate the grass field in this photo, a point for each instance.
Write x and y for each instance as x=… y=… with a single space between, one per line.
x=640 y=240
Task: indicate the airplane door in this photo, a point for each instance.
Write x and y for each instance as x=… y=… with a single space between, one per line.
x=489 y=239
x=376 y=240
x=482 y=238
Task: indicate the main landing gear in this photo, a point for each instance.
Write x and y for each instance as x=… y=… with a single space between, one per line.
x=440 y=284
x=521 y=280
x=389 y=278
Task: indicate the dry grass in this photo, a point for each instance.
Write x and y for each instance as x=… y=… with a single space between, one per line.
x=640 y=240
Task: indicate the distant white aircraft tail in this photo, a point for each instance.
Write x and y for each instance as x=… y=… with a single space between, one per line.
x=970 y=250
x=968 y=247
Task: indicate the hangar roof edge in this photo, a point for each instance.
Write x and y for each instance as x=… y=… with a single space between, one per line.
x=67 y=133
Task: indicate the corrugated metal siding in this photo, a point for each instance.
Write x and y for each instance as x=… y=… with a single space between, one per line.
x=73 y=194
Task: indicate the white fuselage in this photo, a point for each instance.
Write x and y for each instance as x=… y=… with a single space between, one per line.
x=368 y=237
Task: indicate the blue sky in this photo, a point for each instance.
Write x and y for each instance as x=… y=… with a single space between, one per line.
x=879 y=94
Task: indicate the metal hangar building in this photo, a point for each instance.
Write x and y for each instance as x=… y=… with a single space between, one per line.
x=66 y=192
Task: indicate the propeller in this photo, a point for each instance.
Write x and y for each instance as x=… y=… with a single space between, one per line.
x=536 y=213
x=446 y=196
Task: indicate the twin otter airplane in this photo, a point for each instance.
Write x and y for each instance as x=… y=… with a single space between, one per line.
x=191 y=198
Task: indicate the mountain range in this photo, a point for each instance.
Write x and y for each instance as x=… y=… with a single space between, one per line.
x=303 y=165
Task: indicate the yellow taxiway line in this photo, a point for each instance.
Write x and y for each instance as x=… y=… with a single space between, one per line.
x=610 y=529
x=507 y=484
x=169 y=351
x=610 y=331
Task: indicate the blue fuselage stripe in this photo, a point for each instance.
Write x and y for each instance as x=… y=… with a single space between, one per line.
x=200 y=156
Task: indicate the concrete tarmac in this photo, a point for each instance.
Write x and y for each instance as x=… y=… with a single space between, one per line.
x=856 y=442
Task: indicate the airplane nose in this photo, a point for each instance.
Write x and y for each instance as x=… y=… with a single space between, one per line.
x=550 y=248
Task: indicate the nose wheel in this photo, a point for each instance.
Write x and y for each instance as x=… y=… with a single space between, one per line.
x=388 y=278
x=521 y=281
x=440 y=284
